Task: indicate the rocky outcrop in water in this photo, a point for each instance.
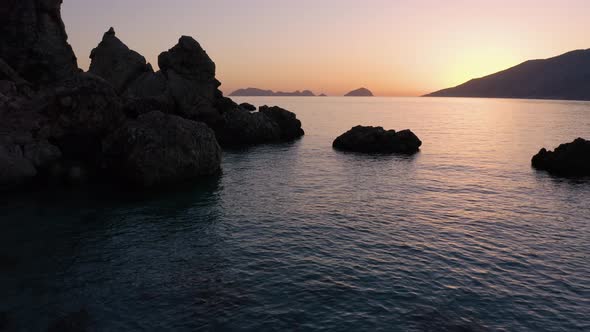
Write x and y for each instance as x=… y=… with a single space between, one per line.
x=157 y=149
x=241 y=127
x=570 y=159
x=254 y=92
x=121 y=121
x=378 y=140
x=362 y=92
x=268 y=125
x=287 y=121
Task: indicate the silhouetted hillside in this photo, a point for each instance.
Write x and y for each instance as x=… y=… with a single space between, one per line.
x=362 y=92
x=253 y=92
x=563 y=77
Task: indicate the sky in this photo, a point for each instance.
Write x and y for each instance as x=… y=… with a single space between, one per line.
x=393 y=47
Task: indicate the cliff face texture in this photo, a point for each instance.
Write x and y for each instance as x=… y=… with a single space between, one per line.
x=121 y=122
x=563 y=77
x=34 y=40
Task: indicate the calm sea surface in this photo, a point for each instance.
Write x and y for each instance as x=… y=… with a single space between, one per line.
x=464 y=236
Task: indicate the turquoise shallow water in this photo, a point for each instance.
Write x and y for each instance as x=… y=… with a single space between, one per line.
x=463 y=236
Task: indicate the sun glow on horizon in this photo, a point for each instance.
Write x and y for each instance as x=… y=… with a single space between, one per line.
x=392 y=47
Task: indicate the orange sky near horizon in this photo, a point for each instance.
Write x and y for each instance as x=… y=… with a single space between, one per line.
x=394 y=48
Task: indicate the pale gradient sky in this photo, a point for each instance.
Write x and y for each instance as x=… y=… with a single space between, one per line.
x=393 y=47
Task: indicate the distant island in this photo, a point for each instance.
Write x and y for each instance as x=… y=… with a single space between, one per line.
x=362 y=92
x=254 y=92
x=564 y=77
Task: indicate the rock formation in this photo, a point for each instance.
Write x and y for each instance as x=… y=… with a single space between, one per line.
x=157 y=149
x=288 y=124
x=254 y=92
x=116 y=63
x=120 y=122
x=268 y=125
x=570 y=159
x=248 y=107
x=245 y=128
x=190 y=75
x=362 y=92
x=34 y=40
x=378 y=140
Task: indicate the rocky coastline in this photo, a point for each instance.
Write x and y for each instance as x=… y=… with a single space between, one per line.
x=121 y=121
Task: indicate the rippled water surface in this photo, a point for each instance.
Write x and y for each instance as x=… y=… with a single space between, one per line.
x=463 y=236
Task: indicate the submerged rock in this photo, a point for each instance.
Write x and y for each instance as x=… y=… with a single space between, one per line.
x=158 y=149
x=288 y=123
x=570 y=159
x=378 y=140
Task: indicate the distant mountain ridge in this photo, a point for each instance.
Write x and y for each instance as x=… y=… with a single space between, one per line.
x=565 y=77
x=254 y=92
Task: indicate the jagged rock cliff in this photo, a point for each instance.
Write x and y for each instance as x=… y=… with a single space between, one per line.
x=121 y=122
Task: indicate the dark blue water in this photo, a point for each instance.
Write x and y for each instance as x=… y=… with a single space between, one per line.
x=463 y=236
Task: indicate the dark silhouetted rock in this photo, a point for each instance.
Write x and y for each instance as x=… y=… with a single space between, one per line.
x=158 y=149
x=8 y=74
x=134 y=107
x=73 y=322
x=121 y=121
x=245 y=128
x=570 y=159
x=304 y=93
x=323 y=95
x=378 y=140
x=254 y=92
x=42 y=153
x=190 y=75
x=362 y=92
x=34 y=40
x=116 y=63
x=149 y=84
x=81 y=112
x=248 y=107
x=15 y=169
x=563 y=77
x=288 y=123
x=224 y=104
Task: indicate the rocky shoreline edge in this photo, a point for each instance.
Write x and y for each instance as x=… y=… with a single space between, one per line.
x=120 y=121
